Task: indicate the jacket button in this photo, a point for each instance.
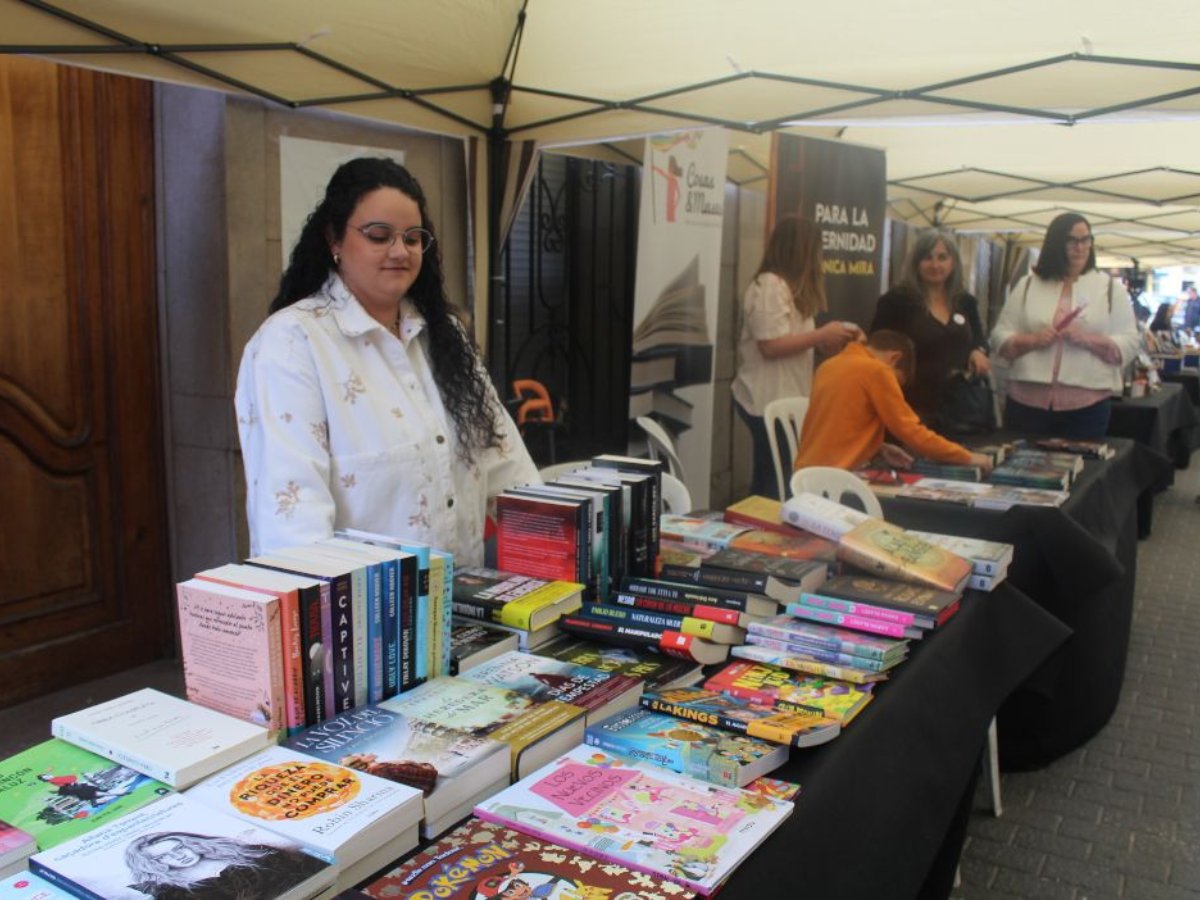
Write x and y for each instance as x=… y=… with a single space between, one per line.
x=450 y=503
x=441 y=439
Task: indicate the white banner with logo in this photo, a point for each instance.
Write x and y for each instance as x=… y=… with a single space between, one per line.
x=675 y=296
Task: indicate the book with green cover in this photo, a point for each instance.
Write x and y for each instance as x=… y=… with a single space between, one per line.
x=56 y=791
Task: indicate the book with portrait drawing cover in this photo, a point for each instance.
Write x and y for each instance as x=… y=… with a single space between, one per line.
x=482 y=860
x=452 y=769
x=175 y=848
x=640 y=816
x=535 y=730
x=357 y=820
x=165 y=737
x=55 y=791
x=887 y=550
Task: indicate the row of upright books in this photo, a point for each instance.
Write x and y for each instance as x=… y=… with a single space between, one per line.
x=294 y=637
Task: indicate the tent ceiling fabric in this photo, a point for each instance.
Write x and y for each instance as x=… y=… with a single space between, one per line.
x=990 y=113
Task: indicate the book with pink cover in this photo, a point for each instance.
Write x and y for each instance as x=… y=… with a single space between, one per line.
x=231 y=645
x=641 y=816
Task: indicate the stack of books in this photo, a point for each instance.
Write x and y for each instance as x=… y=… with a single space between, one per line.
x=800 y=645
x=982 y=496
x=989 y=559
x=638 y=816
x=877 y=547
x=523 y=606
x=55 y=791
x=452 y=768
x=589 y=526
x=655 y=670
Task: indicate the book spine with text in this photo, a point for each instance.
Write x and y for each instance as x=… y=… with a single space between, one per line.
x=883 y=614
x=849 y=620
x=819 y=654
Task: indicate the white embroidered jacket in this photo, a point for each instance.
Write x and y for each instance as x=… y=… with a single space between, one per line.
x=342 y=425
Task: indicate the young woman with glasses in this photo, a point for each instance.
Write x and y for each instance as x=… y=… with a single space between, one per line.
x=1068 y=333
x=361 y=401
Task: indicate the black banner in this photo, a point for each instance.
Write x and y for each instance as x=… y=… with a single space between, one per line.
x=843 y=189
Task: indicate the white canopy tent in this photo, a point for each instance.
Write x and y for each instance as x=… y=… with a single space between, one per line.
x=994 y=115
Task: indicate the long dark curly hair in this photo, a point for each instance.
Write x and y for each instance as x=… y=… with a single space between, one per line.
x=463 y=385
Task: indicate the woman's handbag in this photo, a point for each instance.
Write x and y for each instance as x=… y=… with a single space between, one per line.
x=967 y=406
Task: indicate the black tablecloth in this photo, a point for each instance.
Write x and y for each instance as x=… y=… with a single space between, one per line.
x=877 y=813
x=1166 y=421
x=1078 y=563
x=1189 y=380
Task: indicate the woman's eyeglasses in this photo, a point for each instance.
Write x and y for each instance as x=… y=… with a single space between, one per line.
x=416 y=240
x=1084 y=241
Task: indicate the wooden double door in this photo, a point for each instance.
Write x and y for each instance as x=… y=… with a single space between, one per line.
x=84 y=576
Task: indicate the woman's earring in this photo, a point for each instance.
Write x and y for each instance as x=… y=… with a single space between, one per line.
x=337 y=259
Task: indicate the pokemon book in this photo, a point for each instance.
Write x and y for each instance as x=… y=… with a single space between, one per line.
x=482 y=861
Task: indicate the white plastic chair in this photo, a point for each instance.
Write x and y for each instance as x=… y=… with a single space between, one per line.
x=661 y=446
x=834 y=484
x=788 y=412
x=676 y=498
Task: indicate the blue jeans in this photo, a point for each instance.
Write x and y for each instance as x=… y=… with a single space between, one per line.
x=1088 y=423
x=762 y=478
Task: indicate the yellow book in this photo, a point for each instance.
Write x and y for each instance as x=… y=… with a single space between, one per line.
x=519 y=601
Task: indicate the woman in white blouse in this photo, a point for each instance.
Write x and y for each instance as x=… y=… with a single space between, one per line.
x=1068 y=333
x=361 y=401
x=775 y=350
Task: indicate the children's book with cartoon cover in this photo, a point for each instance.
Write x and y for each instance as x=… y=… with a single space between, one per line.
x=688 y=747
x=483 y=861
x=640 y=816
x=783 y=689
x=56 y=791
x=793 y=728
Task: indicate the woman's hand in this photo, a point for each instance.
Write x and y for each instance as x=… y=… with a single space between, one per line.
x=978 y=362
x=833 y=336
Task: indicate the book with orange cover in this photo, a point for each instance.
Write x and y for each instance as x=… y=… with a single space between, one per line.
x=796 y=545
x=887 y=550
x=758 y=512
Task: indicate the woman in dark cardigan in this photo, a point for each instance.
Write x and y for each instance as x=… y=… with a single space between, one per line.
x=930 y=305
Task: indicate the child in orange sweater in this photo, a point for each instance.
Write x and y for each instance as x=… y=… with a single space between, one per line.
x=856 y=397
